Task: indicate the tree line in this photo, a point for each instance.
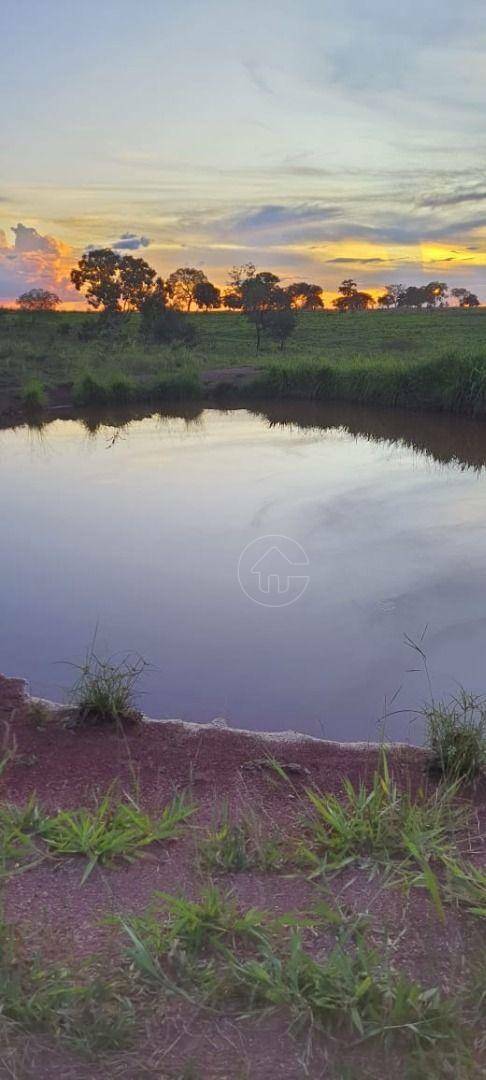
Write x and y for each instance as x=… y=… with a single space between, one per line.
x=116 y=283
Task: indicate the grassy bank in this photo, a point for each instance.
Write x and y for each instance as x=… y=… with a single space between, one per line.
x=430 y=360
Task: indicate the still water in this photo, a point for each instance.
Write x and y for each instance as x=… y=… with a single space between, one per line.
x=138 y=528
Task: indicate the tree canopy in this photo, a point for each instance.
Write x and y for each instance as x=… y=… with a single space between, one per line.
x=114 y=282
x=466 y=299
x=181 y=286
x=38 y=300
x=415 y=297
x=351 y=298
x=305 y=297
x=259 y=295
x=207 y=296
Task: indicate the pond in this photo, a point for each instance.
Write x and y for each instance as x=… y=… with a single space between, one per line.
x=270 y=565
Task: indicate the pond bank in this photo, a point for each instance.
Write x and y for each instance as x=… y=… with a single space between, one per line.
x=77 y=924
x=449 y=384
x=211 y=753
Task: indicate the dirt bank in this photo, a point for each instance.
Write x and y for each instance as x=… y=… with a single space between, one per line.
x=180 y=1037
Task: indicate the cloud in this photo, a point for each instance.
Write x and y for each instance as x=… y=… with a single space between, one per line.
x=354 y=261
x=130 y=242
x=34 y=261
x=257 y=77
x=454 y=199
x=28 y=239
x=275 y=223
x=274 y=216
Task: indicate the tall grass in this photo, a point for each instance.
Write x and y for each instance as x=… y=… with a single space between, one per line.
x=456 y=735
x=452 y=382
x=104 y=692
x=176 y=386
x=33 y=395
x=382 y=821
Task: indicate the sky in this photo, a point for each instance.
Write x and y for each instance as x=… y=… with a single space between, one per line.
x=315 y=139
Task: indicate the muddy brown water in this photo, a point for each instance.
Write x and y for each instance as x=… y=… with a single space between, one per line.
x=269 y=564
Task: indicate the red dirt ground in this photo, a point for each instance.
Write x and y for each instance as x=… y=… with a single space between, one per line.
x=65 y=767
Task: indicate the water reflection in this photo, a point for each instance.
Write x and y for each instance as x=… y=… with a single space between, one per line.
x=449 y=440
x=136 y=523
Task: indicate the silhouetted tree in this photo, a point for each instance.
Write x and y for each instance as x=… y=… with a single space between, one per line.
x=260 y=294
x=181 y=286
x=305 y=297
x=160 y=324
x=412 y=297
x=466 y=299
x=280 y=325
x=351 y=298
x=348 y=287
x=416 y=297
x=207 y=296
x=435 y=294
x=239 y=274
x=38 y=300
x=97 y=273
x=115 y=282
x=232 y=299
x=390 y=298
x=137 y=281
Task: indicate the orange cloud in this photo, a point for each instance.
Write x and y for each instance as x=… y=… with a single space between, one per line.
x=35 y=261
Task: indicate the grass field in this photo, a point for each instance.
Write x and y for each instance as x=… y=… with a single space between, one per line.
x=427 y=360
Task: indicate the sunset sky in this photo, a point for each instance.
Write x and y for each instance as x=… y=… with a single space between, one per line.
x=316 y=139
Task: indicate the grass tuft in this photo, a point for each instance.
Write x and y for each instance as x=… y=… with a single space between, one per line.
x=456 y=735
x=33 y=395
x=111 y=830
x=90 y=391
x=346 y=990
x=177 y=386
x=382 y=824
x=87 y=1011
x=230 y=847
x=381 y=821
x=104 y=690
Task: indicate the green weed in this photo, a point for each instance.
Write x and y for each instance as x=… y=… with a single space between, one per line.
x=18 y=827
x=176 y=386
x=456 y=735
x=214 y=921
x=112 y=830
x=348 y=990
x=85 y=1010
x=466 y=884
x=410 y=838
x=90 y=390
x=234 y=846
x=104 y=690
x=33 y=395
x=121 y=389
x=382 y=822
